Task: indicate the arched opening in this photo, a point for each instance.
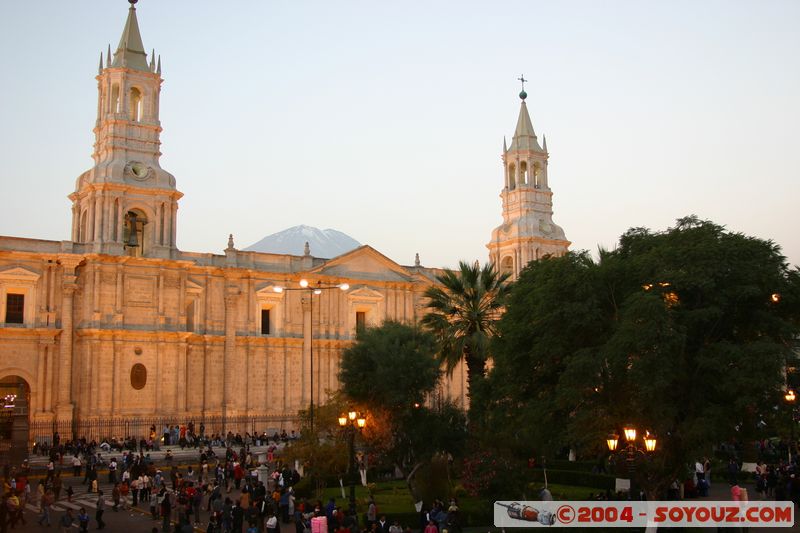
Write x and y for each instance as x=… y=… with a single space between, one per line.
x=136 y=104
x=82 y=229
x=134 y=235
x=536 y=177
x=15 y=394
x=512 y=179
x=507 y=265
x=523 y=173
x=113 y=104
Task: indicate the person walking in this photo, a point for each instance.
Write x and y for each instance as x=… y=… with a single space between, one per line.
x=101 y=508
x=45 y=507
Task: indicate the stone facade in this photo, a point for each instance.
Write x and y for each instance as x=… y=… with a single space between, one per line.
x=117 y=322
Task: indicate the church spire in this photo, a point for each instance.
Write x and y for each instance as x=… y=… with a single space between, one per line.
x=130 y=51
x=528 y=232
x=524 y=136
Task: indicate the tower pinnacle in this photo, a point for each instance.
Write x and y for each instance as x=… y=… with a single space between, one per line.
x=130 y=51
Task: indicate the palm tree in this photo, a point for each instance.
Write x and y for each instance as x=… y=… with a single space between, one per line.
x=463 y=311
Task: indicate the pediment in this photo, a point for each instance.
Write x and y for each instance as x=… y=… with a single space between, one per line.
x=364 y=263
x=18 y=273
x=193 y=286
x=364 y=293
x=267 y=290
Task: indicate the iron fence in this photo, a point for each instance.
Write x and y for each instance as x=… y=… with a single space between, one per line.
x=140 y=427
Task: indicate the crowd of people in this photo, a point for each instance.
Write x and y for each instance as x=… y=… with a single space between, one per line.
x=221 y=491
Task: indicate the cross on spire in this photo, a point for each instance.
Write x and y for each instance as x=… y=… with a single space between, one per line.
x=523 y=95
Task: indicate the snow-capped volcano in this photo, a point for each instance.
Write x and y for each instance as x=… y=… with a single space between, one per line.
x=325 y=243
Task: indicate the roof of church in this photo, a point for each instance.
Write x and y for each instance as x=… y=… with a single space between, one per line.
x=130 y=51
x=524 y=136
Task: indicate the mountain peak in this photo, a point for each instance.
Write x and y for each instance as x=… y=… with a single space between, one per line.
x=325 y=243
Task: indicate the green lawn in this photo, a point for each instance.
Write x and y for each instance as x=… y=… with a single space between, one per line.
x=394 y=500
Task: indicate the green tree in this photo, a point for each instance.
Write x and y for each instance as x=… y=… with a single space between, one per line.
x=389 y=372
x=464 y=309
x=684 y=332
x=390 y=366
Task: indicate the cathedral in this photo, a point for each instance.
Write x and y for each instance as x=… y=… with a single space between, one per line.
x=116 y=329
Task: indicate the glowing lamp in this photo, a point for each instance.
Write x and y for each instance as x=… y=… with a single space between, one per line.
x=277 y=289
x=343 y=421
x=790 y=396
x=361 y=422
x=344 y=286
x=630 y=433
x=650 y=443
x=304 y=283
x=612 y=442
x=352 y=415
x=775 y=297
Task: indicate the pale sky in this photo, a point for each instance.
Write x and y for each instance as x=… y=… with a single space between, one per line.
x=385 y=120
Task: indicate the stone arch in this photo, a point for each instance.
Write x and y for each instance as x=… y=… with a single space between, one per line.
x=136 y=104
x=512 y=176
x=113 y=103
x=137 y=230
x=15 y=409
x=82 y=226
x=507 y=265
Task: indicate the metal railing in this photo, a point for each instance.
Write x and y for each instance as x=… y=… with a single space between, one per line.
x=98 y=429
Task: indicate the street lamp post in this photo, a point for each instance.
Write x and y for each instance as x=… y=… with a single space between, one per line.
x=790 y=398
x=312 y=290
x=632 y=450
x=351 y=422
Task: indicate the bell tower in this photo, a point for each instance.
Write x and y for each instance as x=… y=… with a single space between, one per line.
x=528 y=232
x=126 y=203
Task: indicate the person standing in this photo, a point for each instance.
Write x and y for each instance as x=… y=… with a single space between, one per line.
x=66 y=521
x=101 y=508
x=76 y=465
x=83 y=520
x=166 y=508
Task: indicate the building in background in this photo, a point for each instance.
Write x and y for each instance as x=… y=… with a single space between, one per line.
x=116 y=329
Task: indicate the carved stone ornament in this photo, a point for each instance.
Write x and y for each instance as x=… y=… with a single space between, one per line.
x=138 y=171
x=138 y=376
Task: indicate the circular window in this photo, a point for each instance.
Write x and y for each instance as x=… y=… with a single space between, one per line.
x=138 y=376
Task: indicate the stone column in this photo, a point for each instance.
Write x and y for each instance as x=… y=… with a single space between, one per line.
x=174 y=224
x=180 y=392
x=50 y=379
x=76 y=220
x=90 y=215
x=120 y=223
x=98 y=218
x=65 y=405
x=229 y=371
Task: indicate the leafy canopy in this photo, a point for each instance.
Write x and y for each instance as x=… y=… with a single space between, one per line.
x=464 y=308
x=677 y=332
x=389 y=372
